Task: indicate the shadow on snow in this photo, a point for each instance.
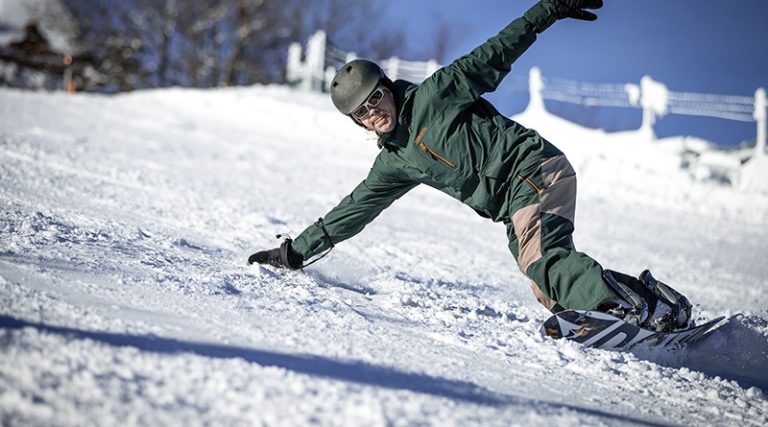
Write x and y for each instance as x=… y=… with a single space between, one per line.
x=319 y=366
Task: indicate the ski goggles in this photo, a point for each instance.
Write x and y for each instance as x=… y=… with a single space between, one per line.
x=361 y=112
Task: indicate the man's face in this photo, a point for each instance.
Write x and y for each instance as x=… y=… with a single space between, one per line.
x=381 y=117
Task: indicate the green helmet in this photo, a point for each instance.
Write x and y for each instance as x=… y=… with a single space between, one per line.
x=353 y=83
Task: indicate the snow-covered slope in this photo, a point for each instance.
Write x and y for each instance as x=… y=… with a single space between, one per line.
x=125 y=298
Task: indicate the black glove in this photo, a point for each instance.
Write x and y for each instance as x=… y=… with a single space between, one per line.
x=575 y=8
x=284 y=256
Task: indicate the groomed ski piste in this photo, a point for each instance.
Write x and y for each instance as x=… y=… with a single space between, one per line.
x=125 y=298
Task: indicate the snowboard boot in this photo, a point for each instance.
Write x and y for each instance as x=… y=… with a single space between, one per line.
x=645 y=302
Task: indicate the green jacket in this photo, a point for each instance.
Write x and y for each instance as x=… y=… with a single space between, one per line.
x=447 y=137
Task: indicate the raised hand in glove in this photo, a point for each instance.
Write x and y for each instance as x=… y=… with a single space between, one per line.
x=575 y=8
x=284 y=256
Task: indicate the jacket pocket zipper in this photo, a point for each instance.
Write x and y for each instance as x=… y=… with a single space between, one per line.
x=530 y=182
x=428 y=150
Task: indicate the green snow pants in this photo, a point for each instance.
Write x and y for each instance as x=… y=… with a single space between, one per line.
x=540 y=227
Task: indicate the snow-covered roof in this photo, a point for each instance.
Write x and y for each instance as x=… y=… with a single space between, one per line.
x=52 y=17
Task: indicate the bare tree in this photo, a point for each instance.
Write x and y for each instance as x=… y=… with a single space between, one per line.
x=360 y=27
x=166 y=13
x=202 y=40
x=443 y=36
x=260 y=33
x=114 y=49
x=205 y=43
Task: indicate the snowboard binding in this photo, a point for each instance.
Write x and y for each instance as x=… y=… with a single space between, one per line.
x=646 y=302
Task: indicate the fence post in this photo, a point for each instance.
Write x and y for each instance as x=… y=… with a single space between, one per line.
x=535 y=88
x=315 y=62
x=330 y=73
x=293 y=69
x=654 y=98
x=432 y=66
x=392 y=65
x=69 y=83
x=761 y=116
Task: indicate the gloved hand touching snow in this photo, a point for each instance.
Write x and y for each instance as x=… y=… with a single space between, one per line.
x=284 y=256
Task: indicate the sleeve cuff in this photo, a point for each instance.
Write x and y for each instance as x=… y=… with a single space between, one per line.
x=542 y=15
x=301 y=247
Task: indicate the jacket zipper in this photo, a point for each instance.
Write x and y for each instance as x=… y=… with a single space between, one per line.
x=428 y=150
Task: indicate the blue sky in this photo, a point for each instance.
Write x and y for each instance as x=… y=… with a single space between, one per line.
x=705 y=46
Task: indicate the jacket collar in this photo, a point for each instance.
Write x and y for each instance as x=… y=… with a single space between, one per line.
x=398 y=137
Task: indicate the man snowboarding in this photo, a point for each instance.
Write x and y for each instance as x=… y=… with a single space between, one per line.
x=442 y=133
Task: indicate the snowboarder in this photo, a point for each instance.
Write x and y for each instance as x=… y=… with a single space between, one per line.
x=442 y=133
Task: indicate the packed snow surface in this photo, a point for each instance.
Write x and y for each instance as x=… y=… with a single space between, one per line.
x=125 y=297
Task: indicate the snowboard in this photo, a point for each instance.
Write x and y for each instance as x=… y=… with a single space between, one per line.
x=601 y=330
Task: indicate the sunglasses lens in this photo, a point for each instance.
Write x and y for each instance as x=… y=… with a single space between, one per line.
x=376 y=97
x=361 y=112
